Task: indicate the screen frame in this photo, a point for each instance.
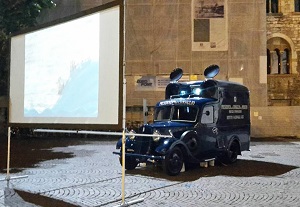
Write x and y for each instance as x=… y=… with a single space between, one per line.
x=81 y=126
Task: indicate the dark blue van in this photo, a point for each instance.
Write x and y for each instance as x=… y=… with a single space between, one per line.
x=207 y=120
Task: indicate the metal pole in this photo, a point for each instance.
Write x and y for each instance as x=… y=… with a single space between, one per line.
x=123 y=168
x=124 y=115
x=8 y=178
x=98 y=133
x=123 y=137
x=8 y=155
x=124 y=108
x=145 y=111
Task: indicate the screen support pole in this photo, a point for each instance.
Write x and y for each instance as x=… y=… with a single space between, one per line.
x=8 y=155
x=124 y=109
x=124 y=115
x=8 y=178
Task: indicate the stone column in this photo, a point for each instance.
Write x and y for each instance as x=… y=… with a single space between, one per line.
x=274 y=62
x=283 y=62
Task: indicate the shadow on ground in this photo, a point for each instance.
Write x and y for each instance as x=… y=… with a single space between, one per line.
x=27 y=152
x=242 y=168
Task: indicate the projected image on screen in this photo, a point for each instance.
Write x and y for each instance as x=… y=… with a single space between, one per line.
x=62 y=70
x=68 y=73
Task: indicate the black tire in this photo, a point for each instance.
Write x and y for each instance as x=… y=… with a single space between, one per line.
x=130 y=162
x=232 y=153
x=173 y=162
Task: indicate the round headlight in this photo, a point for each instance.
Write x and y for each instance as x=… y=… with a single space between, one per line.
x=155 y=137
x=132 y=134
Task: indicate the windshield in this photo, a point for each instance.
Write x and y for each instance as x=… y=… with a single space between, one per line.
x=176 y=113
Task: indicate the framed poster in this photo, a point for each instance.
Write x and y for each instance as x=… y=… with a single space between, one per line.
x=209 y=25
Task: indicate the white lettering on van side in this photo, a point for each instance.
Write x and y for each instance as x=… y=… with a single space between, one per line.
x=235 y=111
x=243 y=107
x=185 y=102
x=235 y=117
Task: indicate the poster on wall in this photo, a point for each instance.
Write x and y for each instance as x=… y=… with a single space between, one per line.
x=209 y=25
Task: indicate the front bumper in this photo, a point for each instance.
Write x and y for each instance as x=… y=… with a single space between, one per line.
x=141 y=157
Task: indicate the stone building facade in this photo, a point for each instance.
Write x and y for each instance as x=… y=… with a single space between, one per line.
x=159 y=38
x=283 y=66
x=283 y=50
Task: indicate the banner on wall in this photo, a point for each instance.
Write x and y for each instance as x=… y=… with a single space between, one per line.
x=151 y=83
x=156 y=83
x=209 y=29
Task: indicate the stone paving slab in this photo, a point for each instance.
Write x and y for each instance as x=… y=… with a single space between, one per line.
x=254 y=191
x=93 y=178
x=97 y=194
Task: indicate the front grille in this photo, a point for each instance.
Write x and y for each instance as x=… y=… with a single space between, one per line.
x=143 y=145
x=146 y=145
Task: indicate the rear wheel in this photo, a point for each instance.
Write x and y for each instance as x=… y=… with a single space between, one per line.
x=232 y=153
x=173 y=162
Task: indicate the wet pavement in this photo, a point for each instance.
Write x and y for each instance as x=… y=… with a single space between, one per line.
x=83 y=172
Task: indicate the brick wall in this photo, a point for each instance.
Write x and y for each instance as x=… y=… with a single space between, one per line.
x=275 y=121
x=284 y=90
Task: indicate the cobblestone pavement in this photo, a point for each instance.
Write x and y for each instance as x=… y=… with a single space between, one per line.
x=268 y=175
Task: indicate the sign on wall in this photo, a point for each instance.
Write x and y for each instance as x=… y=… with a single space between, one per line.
x=209 y=25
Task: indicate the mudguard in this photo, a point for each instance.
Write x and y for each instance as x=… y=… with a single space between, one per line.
x=173 y=142
x=127 y=143
x=165 y=146
x=192 y=142
x=232 y=139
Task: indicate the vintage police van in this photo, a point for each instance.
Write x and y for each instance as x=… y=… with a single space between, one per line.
x=207 y=120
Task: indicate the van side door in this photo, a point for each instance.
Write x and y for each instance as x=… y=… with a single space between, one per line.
x=209 y=131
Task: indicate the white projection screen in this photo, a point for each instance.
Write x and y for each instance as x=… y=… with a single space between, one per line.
x=68 y=74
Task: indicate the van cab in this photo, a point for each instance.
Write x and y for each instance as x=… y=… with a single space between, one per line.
x=207 y=119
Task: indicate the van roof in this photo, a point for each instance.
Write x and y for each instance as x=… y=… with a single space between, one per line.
x=219 y=83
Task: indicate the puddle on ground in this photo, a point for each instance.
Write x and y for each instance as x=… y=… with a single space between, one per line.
x=14 y=197
x=28 y=152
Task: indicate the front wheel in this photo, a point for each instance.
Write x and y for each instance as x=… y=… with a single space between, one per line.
x=130 y=162
x=173 y=161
